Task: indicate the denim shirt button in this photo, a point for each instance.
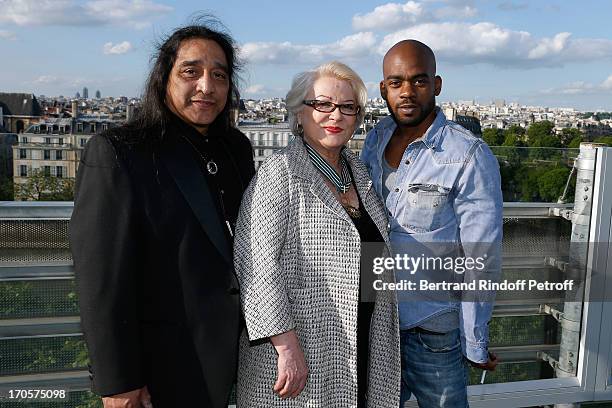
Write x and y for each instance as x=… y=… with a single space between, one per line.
x=407 y=162
x=397 y=190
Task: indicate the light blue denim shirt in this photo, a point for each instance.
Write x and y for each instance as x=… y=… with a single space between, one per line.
x=448 y=190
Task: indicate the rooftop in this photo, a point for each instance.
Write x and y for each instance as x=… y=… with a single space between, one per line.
x=19 y=104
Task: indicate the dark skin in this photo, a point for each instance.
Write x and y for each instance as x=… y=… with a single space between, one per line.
x=410 y=87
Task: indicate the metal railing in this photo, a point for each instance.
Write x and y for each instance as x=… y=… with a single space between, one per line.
x=536 y=336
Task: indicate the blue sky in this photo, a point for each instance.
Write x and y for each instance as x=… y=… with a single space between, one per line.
x=538 y=52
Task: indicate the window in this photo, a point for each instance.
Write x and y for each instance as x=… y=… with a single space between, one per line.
x=79 y=128
x=46 y=154
x=105 y=126
x=60 y=141
x=47 y=140
x=59 y=171
x=93 y=128
x=22 y=154
x=260 y=152
x=47 y=170
x=24 y=140
x=58 y=155
x=82 y=142
x=23 y=170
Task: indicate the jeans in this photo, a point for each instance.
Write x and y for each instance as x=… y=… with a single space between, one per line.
x=433 y=369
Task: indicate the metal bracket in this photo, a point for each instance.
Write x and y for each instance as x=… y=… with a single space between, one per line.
x=560 y=317
x=561 y=212
x=552 y=261
x=549 y=310
x=542 y=355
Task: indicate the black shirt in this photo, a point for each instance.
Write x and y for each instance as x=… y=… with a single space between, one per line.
x=221 y=170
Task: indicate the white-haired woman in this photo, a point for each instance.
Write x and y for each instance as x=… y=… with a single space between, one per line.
x=297 y=254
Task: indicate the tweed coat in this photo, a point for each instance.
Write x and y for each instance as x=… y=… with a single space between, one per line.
x=297 y=259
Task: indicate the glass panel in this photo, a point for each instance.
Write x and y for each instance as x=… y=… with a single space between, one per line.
x=42 y=355
x=35 y=299
x=525 y=331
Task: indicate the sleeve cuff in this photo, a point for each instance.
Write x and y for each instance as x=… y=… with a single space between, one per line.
x=477 y=353
x=263 y=328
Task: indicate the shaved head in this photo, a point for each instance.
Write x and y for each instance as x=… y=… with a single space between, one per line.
x=410 y=84
x=412 y=50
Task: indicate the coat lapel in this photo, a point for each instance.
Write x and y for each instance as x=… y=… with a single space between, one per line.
x=180 y=161
x=372 y=203
x=301 y=166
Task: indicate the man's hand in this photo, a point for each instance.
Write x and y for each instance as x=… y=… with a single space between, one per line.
x=139 y=398
x=292 y=369
x=489 y=365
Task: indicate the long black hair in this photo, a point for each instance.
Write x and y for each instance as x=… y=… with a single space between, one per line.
x=154 y=113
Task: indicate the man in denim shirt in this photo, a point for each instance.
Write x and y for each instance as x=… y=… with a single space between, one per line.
x=440 y=184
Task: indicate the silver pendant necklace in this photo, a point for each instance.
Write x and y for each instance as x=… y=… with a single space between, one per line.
x=211 y=167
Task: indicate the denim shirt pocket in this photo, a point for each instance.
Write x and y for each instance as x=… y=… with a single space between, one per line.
x=426 y=208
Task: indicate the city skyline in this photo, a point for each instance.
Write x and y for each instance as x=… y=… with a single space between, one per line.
x=546 y=53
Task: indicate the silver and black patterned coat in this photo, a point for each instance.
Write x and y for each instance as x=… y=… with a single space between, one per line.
x=297 y=258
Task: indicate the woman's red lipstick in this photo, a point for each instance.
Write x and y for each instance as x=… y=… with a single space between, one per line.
x=333 y=129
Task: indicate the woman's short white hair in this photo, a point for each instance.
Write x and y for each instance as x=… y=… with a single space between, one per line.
x=303 y=82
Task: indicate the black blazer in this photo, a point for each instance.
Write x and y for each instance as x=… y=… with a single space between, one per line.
x=157 y=291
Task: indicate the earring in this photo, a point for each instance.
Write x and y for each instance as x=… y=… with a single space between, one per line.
x=300 y=129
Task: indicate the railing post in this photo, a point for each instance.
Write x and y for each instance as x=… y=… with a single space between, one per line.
x=572 y=309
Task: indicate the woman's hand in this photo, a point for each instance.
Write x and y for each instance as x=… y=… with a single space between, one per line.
x=292 y=369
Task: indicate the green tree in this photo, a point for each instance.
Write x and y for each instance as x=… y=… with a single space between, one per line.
x=568 y=135
x=552 y=182
x=527 y=180
x=540 y=134
x=517 y=130
x=6 y=189
x=575 y=143
x=512 y=140
x=43 y=187
x=605 y=140
x=493 y=137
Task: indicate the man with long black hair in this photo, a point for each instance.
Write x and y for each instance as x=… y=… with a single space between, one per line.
x=151 y=233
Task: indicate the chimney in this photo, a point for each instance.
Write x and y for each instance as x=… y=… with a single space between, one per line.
x=75 y=109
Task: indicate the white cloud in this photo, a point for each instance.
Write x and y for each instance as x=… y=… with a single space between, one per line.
x=7 y=35
x=581 y=88
x=347 y=48
x=456 y=12
x=46 y=79
x=120 y=48
x=255 y=89
x=548 y=46
x=489 y=43
x=512 y=6
x=453 y=41
x=390 y=16
x=136 y=13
